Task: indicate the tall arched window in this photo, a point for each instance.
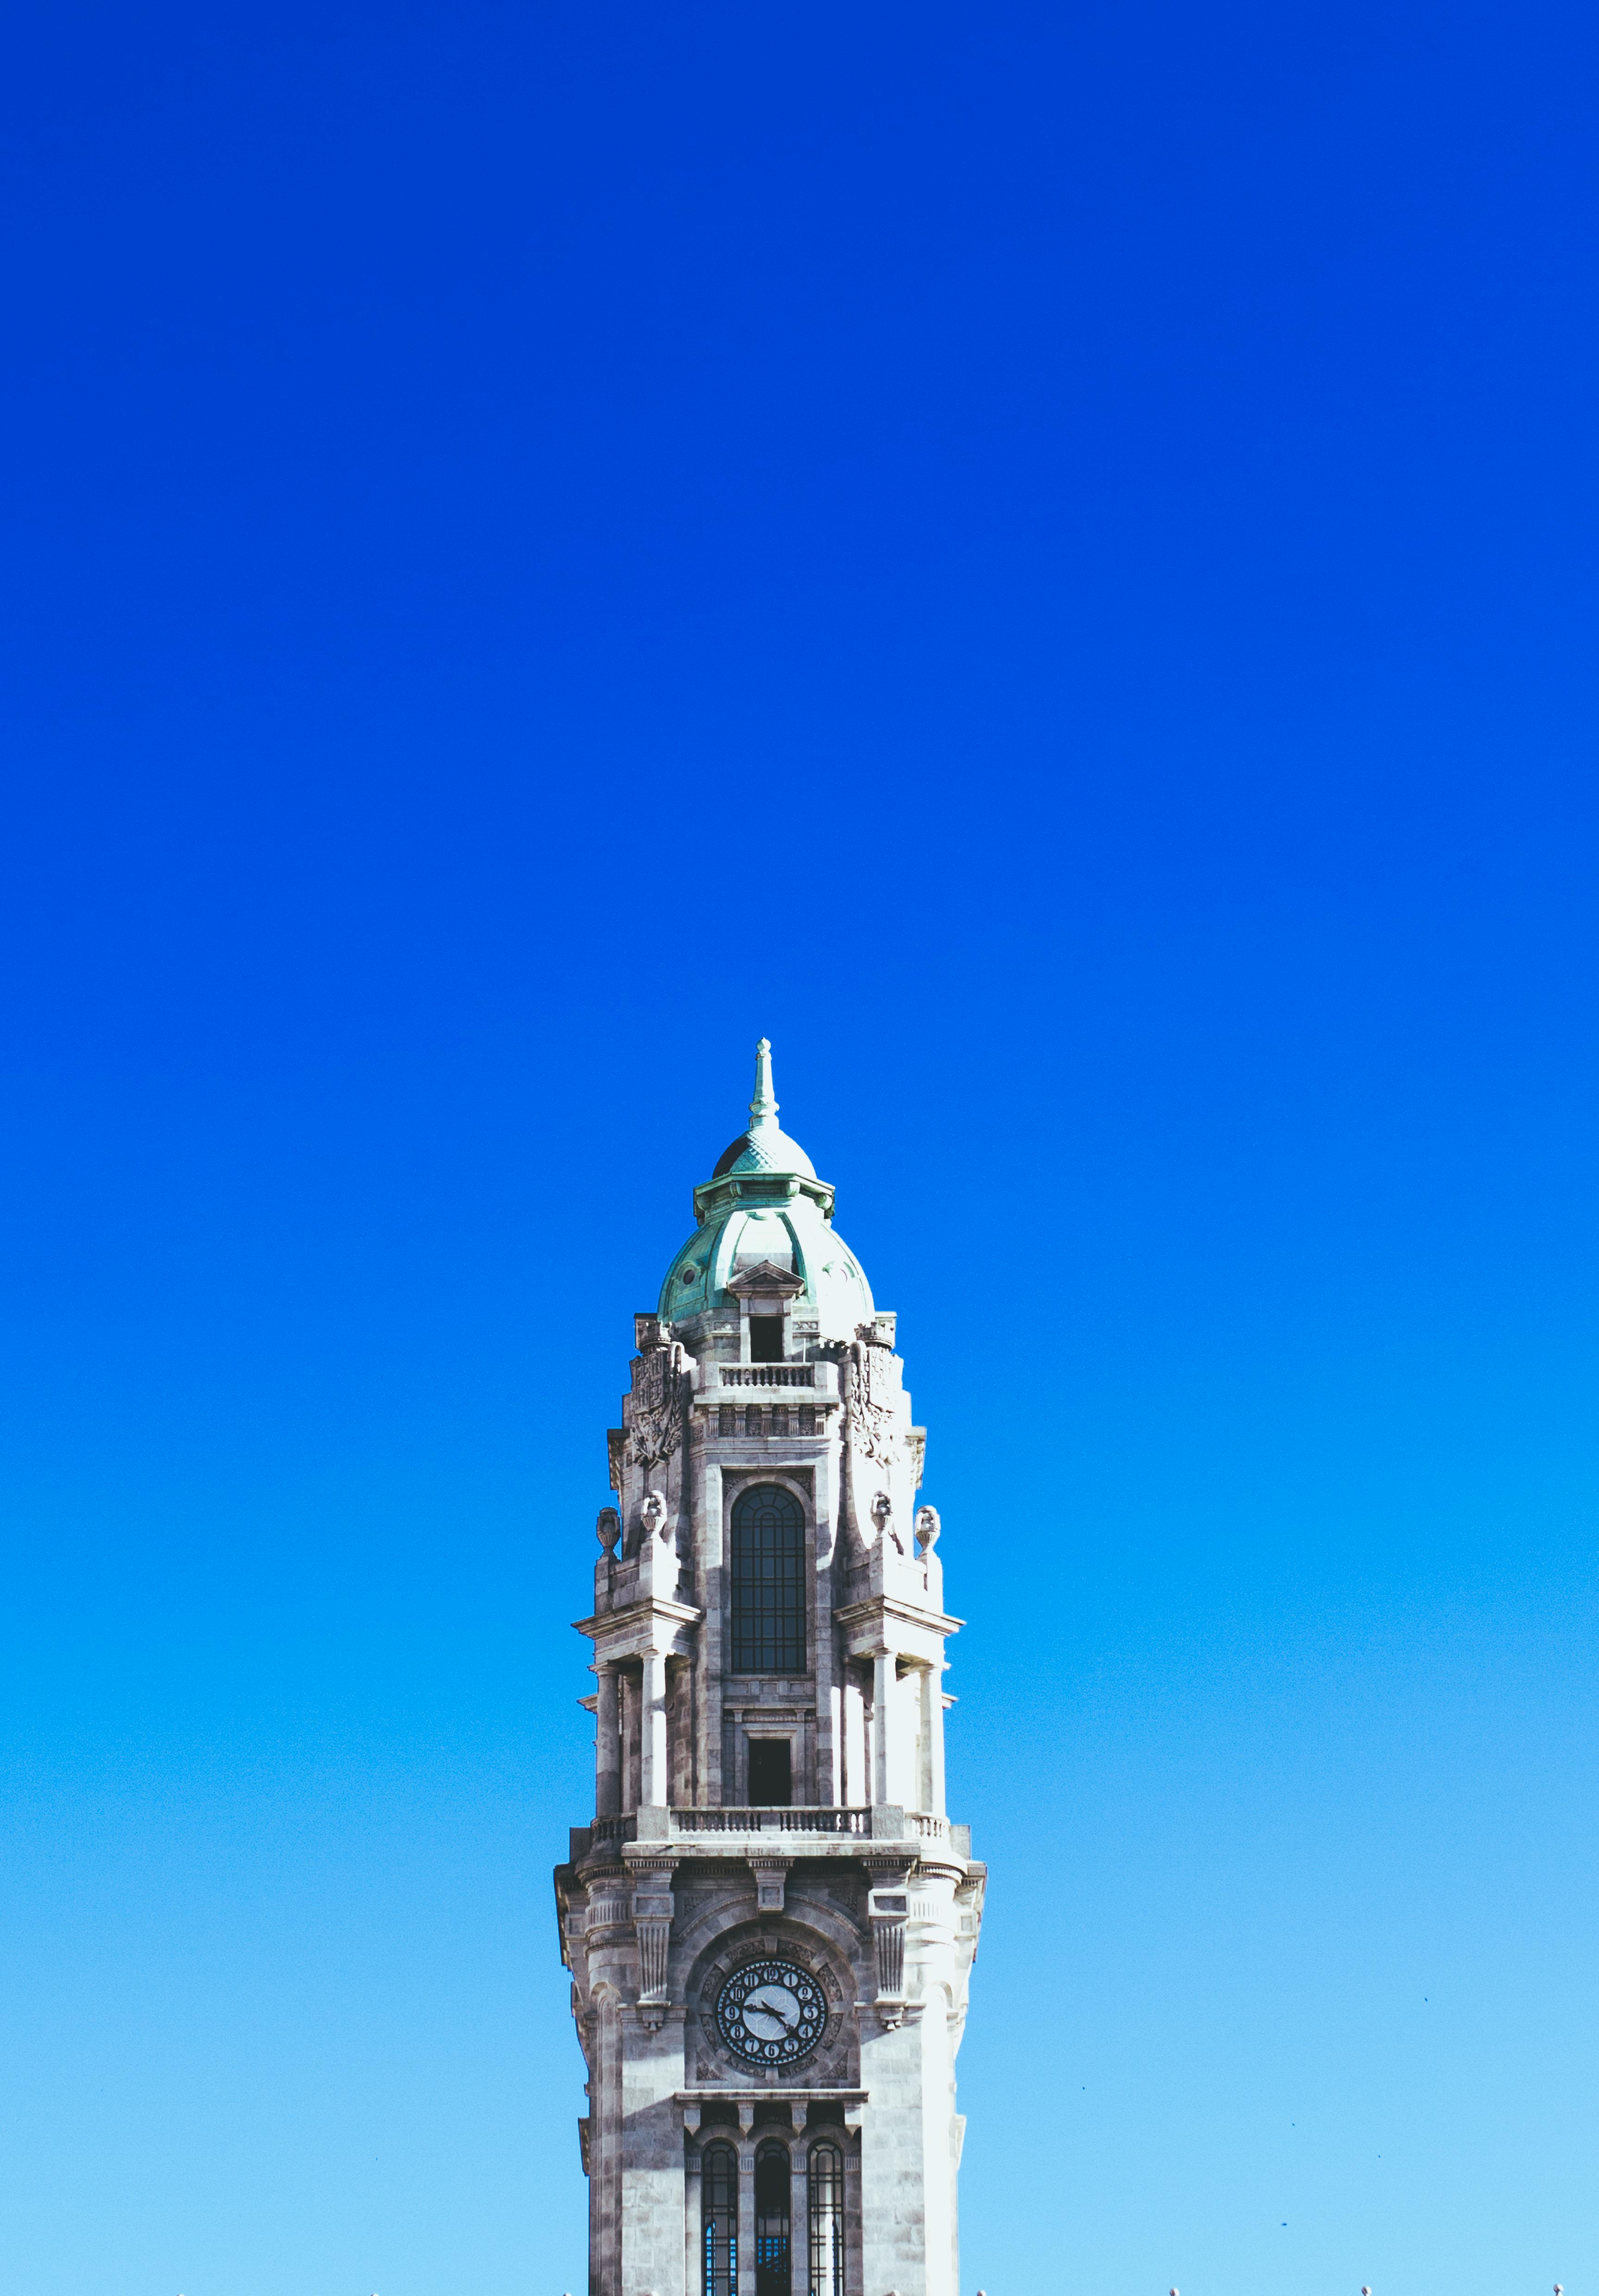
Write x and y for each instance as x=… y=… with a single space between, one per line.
x=771 y=2221
x=768 y=1582
x=826 y=2221
x=719 y=2219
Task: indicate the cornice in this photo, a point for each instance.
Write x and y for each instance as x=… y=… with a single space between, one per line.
x=648 y=1606
x=893 y=1606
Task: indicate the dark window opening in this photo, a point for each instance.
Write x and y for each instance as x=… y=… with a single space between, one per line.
x=826 y=2221
x=771 y=1773
x=765 y=1339
x=768 y=1582
x=718 y=2215
x=771 y=2221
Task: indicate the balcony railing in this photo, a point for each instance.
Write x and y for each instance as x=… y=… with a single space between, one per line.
x=768 y=1374
x=765 y=1820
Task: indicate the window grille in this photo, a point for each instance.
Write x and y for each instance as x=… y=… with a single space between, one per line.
x=727 y=1418
x=826 y=2221
x=771 y=2221
x=718 y=2217
x=752 y=1419
x=768 y=1582
x=779 y=1419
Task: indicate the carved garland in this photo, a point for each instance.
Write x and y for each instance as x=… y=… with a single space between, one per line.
x=655 y=1406
x=870 y=1406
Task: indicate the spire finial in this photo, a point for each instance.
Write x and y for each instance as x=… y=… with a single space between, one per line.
x=763 y=1107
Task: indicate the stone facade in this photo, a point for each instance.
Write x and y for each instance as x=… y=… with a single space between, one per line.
x=770 y=1920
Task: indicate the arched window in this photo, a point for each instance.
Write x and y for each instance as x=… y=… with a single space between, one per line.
x=719 y=2219
x=768 y=1582
x=826 y=2221
x=771 y=2221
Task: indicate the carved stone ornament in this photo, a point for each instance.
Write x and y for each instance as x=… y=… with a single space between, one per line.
x=887 y=1907
x=653 y=1514
x=652 y=1911
x=928 y=1527
x=655 y=1406
x=871 y=1399
x=608 y=1530
x=766 y=1277
x=882 y=1515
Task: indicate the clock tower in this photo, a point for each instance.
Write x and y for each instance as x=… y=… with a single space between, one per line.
x=770 y=1919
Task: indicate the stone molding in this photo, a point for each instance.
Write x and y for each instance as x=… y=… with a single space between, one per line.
x=765 y=1280
x=771 y=1879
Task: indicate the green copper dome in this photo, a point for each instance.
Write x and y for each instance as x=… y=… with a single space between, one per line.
x=764 y=1202
x=765 y=1147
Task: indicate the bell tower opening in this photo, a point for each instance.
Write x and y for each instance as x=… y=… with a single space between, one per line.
x=765 y=1339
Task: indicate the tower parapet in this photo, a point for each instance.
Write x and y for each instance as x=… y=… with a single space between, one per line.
x=769 y=1920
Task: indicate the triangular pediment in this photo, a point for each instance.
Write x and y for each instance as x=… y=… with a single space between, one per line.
x=767 y=1278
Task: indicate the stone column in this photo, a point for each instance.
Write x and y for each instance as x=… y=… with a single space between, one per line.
x=654 y=1778
x=746 y=2181
x=935 y=1739
x=854 y=2230
x=826 y=1750
x=709 y=1576
x=799 y=2213
x=627 y=1736
x=930 y=1782
x=858 y=1782
x=694 y=2261
x=608 y=1751
x=884 y=1687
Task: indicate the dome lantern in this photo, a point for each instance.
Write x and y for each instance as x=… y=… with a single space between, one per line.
x=764 y=1203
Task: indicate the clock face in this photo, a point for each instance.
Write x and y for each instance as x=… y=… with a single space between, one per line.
x=771 y=2013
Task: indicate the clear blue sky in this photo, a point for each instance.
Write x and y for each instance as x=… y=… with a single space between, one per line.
x=1045 y=558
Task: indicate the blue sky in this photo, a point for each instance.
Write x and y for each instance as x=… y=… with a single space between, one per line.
x=1044 y=559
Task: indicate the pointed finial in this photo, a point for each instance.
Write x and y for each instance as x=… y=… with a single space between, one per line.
x=764 y=1106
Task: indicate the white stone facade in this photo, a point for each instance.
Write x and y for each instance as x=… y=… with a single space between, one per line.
x=770 y=1920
